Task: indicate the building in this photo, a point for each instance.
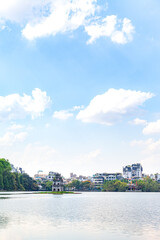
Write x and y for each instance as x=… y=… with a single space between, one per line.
x=51 y=176
x=155 y=177
x=16 y=170
x=40 y=176
x=112 y=176
x=73 y=176
x=100 y=178
x=133 y=171
x=152 y=176
x=57 y=185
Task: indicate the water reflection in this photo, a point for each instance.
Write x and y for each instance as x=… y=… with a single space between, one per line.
x=3 y=221
x=87 y=216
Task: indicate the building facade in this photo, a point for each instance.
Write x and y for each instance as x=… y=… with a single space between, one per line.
x=51 y=176
x=133 y=171
x=100 y=178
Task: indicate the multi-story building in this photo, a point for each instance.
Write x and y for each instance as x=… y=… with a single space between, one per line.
x=51 y=176
x=40 y=176
x=100 y=178
x=133 y=171
x=112 y=176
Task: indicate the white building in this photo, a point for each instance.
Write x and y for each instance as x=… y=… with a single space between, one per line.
x=99 y=178
x=16 y=169
x=110 y=177
x=51 y=176
x=133 y=171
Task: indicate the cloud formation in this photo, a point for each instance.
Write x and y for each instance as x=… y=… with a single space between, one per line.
x=15 y=106
x=50 y=17
x=65 y=114
x=62 y=115
x=110 y=27
x=138 y=121
x=10 y=138
x=152 y=128
x=150 y=153
x=35 y=157
x=111 y=106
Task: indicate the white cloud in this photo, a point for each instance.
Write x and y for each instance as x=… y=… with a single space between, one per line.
x=77 y=108
x=150 y=150
x=111 y=106
x=35 y=157
x=64 y=16
x=62 y=115
x=15 y=106
x=20 y=11
x=138 y=121
x=47 y=125
x=109 y=27
x=93 y=155
x=10 y=138
x=15 y=127
x=50 y=17
x=152 y=128
x=65 y=114
x=88 y=158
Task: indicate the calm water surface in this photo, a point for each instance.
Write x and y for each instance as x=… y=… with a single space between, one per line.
x=88 y=216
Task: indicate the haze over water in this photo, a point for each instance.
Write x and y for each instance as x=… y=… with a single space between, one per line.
x=85 y=216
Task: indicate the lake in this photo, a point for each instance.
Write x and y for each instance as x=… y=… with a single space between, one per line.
x=87 y=216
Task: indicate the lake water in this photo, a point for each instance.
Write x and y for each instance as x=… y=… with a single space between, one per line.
x=87 y=216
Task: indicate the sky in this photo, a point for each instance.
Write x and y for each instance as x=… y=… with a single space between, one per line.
x=79 y=85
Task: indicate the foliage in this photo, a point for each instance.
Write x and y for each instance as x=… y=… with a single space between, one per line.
x=114 y=186
x=28 y=183
x=145 y=185
x=49 y=185
x=14 y=181
x=80 y=186
x=148 y=185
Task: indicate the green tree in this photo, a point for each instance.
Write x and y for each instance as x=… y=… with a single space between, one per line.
x=28 y=183
x=48 y=185
x=1 y=182
x=114 y=186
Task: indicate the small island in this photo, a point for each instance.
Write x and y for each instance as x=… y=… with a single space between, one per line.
x=63 y=192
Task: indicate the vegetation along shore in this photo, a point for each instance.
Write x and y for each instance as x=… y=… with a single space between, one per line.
x=14 y=181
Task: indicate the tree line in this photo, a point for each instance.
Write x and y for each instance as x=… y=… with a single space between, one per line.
x=80 y=186
x=15 y=181
x=145 y=185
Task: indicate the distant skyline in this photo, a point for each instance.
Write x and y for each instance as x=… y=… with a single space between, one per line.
x=79 y=85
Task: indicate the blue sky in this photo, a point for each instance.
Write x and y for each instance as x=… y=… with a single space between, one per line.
x=79 y=85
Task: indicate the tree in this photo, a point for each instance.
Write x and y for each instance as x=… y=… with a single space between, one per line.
x=1 y=182
x=28 y=183
x=14 y=181
x=76 y=184
x=49 y=185
x=87 y=185
x=148 y=185
x=114 y=186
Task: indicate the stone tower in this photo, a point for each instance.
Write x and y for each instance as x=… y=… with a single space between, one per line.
x=57 y=185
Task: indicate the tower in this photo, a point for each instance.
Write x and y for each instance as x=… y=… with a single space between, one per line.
x=57 y=185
